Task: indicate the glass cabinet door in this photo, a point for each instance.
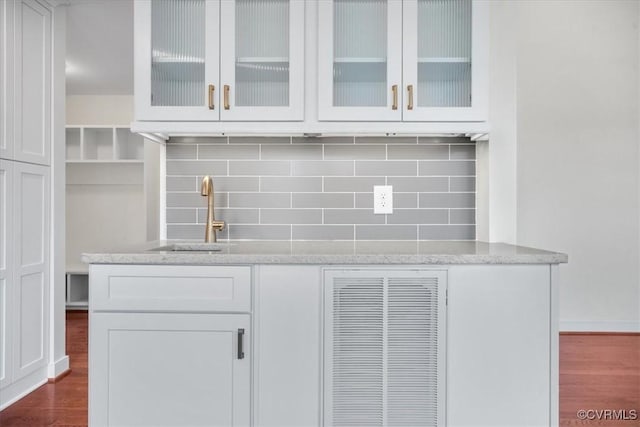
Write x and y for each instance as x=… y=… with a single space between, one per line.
x=262 y=59
x=440 y=60
x=181 y=71
x=360 y=60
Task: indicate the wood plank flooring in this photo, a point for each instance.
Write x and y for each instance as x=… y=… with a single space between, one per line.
x=597 y=372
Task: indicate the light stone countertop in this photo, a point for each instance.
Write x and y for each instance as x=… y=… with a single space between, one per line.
x=331 y=252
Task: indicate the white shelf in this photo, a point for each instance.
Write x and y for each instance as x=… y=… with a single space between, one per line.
x=77 y=294
x=459 y=60
x=103 y=144
x=357 y=60
x=258 y=59
x=174 y=60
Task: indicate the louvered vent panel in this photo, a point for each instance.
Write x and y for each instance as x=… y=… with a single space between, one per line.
x=412 y=346
x=358 y=334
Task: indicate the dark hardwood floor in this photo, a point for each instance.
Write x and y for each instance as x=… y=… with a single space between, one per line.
x=598 y=372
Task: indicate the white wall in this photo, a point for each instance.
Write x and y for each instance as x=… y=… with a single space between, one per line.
x=576 y=146
x=109 y=110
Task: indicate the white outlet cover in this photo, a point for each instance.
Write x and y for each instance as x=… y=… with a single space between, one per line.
x=382 y=199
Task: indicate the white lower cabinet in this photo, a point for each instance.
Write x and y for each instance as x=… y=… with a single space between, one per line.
x=157 y=369
x=170 y=346
x=458 y=345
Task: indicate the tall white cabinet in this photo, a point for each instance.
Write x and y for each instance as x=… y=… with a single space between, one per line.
x=25 y=196
x=219 y=60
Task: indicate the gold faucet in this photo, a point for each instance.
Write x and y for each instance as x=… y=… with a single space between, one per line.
x=212 y=225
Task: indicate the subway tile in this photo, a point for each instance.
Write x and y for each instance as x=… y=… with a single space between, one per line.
x=386 y=232
x=322 y=232
x=414 y=152
x=463 y=152
x=323 y=200
x=462 y=216
x=355 y=152
x=196 y=167
x=447 y=200
x=351 y=184
x=291 y=184
x=385 y=168
x=233 y=183
x=418 y=184
x=462 y=183
x=386 y=140
x=259 y=200
x=182 y=216
x=231 y=151
x=323 y=140
x=198 y=140
x=231 y=216
x=259 y=140
x=447 y=232
x=352 y=216
x=291 y=152
x=259 y=167
x=291 y=216
x=194 y=200
x=446 y=168
x=322 y=168
x=181 y=151
x=418 y=216
x=377 y=247
x=182 y=183
x=400 y=200
x=259 y=232
x=443 y=140
x=196 y=231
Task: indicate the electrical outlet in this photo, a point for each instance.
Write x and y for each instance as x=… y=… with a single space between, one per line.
x=382 y=199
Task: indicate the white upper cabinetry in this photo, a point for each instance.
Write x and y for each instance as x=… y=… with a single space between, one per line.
x=410 y=60
x=210 y=60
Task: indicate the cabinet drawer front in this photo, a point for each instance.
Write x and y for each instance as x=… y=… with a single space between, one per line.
x=169 y=288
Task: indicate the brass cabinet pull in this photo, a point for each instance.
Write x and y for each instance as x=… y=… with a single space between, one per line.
x=212 y=90
x=394 y=90
x=410 y=103
x=226 y=97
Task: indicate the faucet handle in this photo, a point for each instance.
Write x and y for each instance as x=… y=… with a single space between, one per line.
x=217 y=225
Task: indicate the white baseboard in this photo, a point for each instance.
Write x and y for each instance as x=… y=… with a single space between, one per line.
x=599 y=326
x=19 y=389
x=59 y=366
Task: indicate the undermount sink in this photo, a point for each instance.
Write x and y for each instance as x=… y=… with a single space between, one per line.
x=193 y=247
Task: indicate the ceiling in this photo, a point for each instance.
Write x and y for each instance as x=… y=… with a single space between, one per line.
x=99 y=47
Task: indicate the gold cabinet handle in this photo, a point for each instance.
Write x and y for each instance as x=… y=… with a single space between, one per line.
x=212 y=90
x=226 y=97
x=410 y=103
x=394 y=90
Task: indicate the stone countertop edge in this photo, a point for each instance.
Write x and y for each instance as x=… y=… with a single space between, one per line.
x=332 y=253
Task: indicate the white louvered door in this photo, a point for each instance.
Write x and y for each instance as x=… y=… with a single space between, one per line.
x=384 y=347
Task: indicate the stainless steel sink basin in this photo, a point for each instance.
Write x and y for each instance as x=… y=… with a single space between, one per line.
x=192 y=247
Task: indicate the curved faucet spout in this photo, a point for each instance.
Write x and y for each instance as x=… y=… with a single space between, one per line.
x=212 y=225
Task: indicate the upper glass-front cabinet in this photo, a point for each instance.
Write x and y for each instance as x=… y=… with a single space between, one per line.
x=410 y=60
x=219 y=60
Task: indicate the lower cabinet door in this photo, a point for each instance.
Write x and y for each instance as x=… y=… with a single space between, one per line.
x=156 y=369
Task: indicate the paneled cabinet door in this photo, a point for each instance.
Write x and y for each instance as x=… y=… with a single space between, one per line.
x=6 y=89
x=6 y=270
x=177 y=59
x=360 y=60
x=32 y=82
x=30 y=281
x=262 y=60
x=445 y=60
x=157 y=369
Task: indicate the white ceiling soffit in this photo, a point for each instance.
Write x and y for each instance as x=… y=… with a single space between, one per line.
x=99 y=47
